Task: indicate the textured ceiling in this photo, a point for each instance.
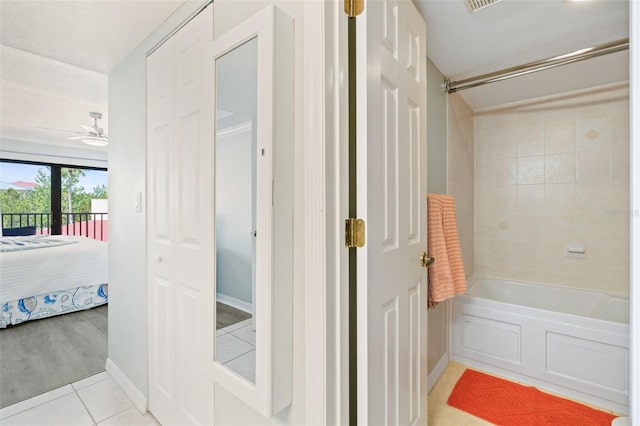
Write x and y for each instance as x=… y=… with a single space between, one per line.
x=56 y=57
x=513 y=32
x=90 y=34
x=41 y=92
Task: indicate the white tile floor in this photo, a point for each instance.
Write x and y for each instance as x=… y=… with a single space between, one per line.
x=236 y=348
x=96 y=400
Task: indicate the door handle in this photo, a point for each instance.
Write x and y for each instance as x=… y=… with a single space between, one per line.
x=426 y=261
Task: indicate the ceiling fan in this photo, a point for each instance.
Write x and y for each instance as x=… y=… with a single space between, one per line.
x=95 y=135
x=92 y=135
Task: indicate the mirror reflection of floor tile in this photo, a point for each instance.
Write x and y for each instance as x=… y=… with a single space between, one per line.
x=244 y=365
x=235 y=348
x=229 y=347
x=248 y=334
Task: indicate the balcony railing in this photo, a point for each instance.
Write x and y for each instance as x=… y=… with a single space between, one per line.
x=91 y=225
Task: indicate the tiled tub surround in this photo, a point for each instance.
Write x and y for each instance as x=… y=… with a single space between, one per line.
x=552 y=173
x=460 y=173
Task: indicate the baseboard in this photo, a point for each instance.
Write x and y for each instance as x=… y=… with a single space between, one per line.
x=235 y=303
x=438 y=370
x=130 y=390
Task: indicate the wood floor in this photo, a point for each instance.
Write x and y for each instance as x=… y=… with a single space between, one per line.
x=227 y=315
x=41 y=355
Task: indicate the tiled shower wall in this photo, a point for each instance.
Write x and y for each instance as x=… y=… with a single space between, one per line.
x=549 y=174
x=460 y=166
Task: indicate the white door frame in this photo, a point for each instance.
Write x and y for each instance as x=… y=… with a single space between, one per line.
x=326 y=205
x=634 y=100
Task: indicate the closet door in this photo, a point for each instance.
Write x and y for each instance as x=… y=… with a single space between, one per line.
x=180 y=226
x=193 y=220
x=160 y=232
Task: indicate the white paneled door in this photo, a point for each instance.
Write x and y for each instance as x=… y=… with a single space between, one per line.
x=179 y=208
x=391 y=163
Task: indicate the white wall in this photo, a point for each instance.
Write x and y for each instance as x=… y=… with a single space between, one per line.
x=128 y=298
x=234 y=218
x=436 y=131
x=127 y=258
x=30 y=151
x=450 y=168
x=438 y=328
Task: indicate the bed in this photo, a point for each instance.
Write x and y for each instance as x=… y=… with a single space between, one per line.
x=47 y=275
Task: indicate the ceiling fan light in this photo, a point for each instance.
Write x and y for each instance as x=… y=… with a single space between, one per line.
x=95 y=141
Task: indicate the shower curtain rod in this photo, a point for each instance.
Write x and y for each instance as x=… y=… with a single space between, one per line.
x=531 y=67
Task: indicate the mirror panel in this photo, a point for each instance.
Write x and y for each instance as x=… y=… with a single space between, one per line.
x=252 y=88
x=235 y=208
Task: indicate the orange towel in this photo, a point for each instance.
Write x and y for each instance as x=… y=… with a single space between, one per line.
x=446 y=274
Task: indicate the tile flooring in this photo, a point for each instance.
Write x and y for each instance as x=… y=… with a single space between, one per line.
x=96 y=400
x=441 y=414
x=236 y=348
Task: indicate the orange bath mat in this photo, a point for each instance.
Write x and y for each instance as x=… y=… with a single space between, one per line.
x=506 y=403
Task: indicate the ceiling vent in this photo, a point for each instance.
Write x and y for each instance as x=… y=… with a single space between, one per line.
x=474 y=5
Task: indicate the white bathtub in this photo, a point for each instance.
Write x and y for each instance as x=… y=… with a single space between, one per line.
x=571 y=342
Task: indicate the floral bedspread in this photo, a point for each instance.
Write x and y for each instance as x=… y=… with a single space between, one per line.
x=54 y=303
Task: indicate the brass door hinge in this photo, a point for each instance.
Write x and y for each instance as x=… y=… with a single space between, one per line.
x=354 y=232
x=353 y=8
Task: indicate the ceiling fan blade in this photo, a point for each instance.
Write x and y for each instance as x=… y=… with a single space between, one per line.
x=60 y=130
x=89 y=129
x=103 y=138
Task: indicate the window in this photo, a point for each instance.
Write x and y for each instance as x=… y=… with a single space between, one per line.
x=25 y=197
x=83 y=202
x=37 y=198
